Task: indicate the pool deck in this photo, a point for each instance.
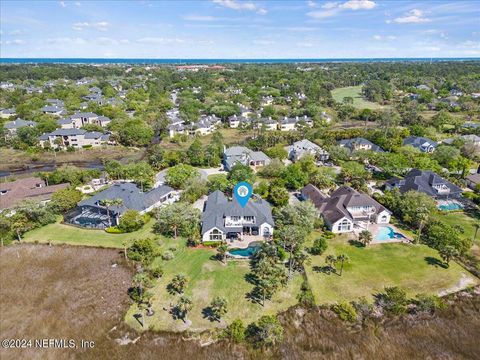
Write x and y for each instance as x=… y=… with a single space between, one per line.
x=375 y=228
x=244 y=241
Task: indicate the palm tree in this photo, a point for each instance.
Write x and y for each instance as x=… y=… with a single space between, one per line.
x=331 y=260
x=365 y=237
x=178 y=283
x=448 y=252
x=184 y=305
x=108 y=203
x=222 y=252
x=343 y=259
x=422 y=214
x=218 y=307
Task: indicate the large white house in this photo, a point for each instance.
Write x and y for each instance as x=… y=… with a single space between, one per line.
x=346 y=209
x=76 y=138
x=224 y=219
x=78 y=120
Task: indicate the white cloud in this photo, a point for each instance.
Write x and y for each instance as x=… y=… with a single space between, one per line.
x=78 y=3
x=159 y=40
x=330 y=5
x=17 y=32
x=194 y=17
x=66 y=41
x=241 y=5
x=263 y=42
x=63 y=4
x=312 y=4
x=15 y=42
x=414 y=16
x=334 y=8
x=380 y=37
x=358 y=5
x=101 y=25
x=305 y=44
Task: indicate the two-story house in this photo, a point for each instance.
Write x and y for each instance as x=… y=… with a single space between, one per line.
x=244 y=156
x=305 y=147
x=78 y=120
x=13 y=126
x=346 y=209
x=421 y=143
x=427 y=182
x=290 y=124
x=76 y=138
x=225 y=219
x=358 y=144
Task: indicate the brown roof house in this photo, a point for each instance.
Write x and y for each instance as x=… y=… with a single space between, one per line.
x=32 y=188
x=346 y=209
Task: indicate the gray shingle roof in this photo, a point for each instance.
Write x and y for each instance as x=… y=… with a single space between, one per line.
x=335 y=207
x=19 y=123
x=422 y=181
x=218 y=206
x=132 y=197
x=418 y=141
x=351 y=143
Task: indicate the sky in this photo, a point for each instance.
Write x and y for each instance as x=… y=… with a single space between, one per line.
x=235 y=29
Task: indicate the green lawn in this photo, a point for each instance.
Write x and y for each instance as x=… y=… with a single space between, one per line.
x=209 y=278
x=356 y=93
x=371 y=269
x=58 y=233
x=467 y=222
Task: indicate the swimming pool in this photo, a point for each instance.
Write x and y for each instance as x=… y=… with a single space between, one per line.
x=386 y=233
x=246 y=252
x=450 y=206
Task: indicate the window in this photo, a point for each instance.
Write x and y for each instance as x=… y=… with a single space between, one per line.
x=249 y=218
x=235 y=218
x=215 y=235
x=344 y=225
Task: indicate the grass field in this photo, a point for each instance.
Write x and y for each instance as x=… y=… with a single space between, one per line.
x=370 y=269
x=467 y=222
x=58 y=233
x=356 y=93
x=209 y=278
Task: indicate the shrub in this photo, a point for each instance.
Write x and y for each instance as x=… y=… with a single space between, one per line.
x=305 y=297
x=143 y=250
x=319 y=246
x=429 y=303
x=86 y=146
x=266 y=332
x=345 y=311
x=212 y=243
x=156 y=271
x=235 y=331
x=131 y=220
x=394 y=300
x=114 y=230
x=167 y=255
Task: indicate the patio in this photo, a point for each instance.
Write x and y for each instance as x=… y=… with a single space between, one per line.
x=242 y=242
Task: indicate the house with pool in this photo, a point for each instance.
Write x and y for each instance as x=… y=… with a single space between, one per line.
x=427 y=182
x=346 y=209
x=94 y=212
x=224 y=219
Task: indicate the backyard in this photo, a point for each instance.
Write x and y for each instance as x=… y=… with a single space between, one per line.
x=208 y=278
x=355 y=92
x=417 y=268
x=59 y=233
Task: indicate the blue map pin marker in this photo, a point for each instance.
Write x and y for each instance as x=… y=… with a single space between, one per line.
x=242 y=192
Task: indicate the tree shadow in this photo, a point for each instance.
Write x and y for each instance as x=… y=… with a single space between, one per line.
x=138 y=317
x=435 y=262
x=356 y=243
x=251 y=278
x=324 y=269
x=255 y=296
x=208 y=314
